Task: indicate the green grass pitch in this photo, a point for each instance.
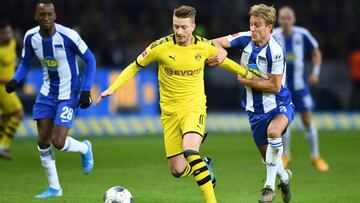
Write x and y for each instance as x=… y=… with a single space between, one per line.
x=138 y=163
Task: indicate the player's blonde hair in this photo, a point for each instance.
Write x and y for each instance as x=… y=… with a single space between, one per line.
x=185 y=12
x=268 y=13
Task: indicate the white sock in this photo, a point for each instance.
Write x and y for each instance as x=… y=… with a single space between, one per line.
x=273 y=156
x=72 y=145
x=47 y=158
x=284 y=177
x=286 y=142
x=311 y=136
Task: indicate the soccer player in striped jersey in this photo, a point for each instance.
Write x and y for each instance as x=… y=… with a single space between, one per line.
x=181 y=58
x=268 y=102
x=62 y=91
x=298 y=43
x=11 y=110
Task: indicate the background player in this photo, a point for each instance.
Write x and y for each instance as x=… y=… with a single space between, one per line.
x=298 y=42
x=268 y=102
x=11 y=110
x=181 y=58
x=56 y=46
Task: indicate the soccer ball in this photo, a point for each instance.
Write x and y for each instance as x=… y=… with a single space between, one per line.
x=118 y=194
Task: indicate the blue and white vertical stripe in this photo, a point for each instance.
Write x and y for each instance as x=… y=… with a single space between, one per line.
x=57 y=55
x=269 y=59
x=297 y=46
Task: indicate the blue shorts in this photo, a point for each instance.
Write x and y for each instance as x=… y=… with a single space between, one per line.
x=62 y=112
x=302 y=100
x=259 y=122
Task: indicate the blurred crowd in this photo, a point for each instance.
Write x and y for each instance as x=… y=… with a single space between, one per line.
x=119 y=30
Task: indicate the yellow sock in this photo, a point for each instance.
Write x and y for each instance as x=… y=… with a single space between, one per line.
x=201 y=175
x=9 y=127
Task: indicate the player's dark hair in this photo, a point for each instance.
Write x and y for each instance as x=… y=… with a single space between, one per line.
x=185 y=12
x=4 y=23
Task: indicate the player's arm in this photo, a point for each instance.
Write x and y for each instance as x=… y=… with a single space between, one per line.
x=275 y=76
x=235 y=40
x=220 y=43
x=316 y=61
x=23 y=67
x=80 y=47
x=234 y=67
x=311 y=44
x=144 y=59
x=271 y=85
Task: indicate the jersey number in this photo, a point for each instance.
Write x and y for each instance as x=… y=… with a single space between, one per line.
x=67 y=113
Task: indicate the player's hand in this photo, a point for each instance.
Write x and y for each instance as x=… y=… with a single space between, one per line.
x=85 y=99
x=242 y=80
x=11 y=86
x=313 y=79
x=218 y=58
x=104 y=94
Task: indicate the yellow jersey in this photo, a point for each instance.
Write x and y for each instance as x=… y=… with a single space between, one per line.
x=181 y=72
x=8 y=60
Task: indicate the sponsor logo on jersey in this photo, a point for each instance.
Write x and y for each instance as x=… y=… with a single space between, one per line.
x=144 y=55
x=51 y=63
x=171 y=72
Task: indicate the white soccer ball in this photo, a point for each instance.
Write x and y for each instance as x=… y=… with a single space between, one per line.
x=118 y=194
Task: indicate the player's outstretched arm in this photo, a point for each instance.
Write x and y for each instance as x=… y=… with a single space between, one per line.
x=129 y=72
x=234 y=67
x=104 y=94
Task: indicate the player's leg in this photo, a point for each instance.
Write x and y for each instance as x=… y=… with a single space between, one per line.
x=286 y=138
x=193 y=128
x=64 y=118
x=191 y=146
x=12 y=114
x=311 y=135
x=47 y=157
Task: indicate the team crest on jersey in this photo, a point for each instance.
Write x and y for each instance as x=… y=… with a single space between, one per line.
x=51 y=63
x=198 y=57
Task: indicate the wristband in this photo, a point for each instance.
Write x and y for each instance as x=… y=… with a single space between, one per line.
x=316 y=70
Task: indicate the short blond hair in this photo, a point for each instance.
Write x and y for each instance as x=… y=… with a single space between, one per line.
x=185 y=12
x=268 y=13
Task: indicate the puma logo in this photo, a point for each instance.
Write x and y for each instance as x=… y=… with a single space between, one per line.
x=172 y=57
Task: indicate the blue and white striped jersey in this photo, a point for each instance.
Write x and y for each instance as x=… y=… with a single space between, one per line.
x=269 y=59
x=297 y=46
x=57 y=55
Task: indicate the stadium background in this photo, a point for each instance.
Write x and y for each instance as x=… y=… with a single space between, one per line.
x=117 y=31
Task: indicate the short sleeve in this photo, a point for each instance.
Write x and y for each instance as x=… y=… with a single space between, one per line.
x=239 y=40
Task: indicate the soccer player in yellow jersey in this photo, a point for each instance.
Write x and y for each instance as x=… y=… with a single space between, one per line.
x=181 y=58
x=11 y=110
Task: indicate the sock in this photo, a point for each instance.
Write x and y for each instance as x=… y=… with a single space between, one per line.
x=72 y=145
x=9 y=128
x=201 y=175
x=47 y=158
x=187 y=172
x=311 y=136
x=284 y=177
x=286 y=142
x=273 y=156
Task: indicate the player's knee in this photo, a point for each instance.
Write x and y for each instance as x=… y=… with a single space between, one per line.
x=177 y=172
x=272 y=133
x=58 y=143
